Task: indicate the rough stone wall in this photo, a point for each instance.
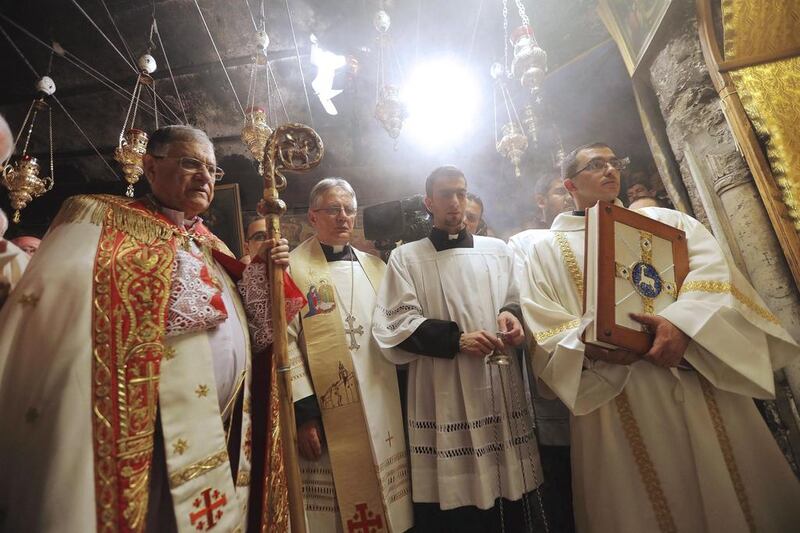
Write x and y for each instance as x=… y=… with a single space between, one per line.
x=692 y=113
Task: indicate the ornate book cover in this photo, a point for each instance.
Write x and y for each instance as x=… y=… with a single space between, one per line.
x=634 y=264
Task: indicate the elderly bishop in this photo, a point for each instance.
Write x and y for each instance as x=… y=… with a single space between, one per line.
x=125 y=364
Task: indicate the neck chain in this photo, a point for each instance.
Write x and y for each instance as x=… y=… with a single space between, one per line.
x=351 y=320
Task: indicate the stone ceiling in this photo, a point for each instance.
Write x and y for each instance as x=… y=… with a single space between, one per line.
x=356 y=146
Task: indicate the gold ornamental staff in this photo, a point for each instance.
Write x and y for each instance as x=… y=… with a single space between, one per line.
x=296 y=148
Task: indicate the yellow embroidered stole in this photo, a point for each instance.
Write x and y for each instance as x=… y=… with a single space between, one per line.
x=333 y=374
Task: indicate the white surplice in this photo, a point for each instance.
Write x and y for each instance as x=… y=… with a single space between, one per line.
x=656 y=449
x=377 y=382
x=13 y=262
x=460 y=443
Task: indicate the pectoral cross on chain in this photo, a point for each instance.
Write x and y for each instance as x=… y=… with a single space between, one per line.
x=350 y=330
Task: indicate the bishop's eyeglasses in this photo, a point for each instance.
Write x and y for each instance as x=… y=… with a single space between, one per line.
x=195 y=166
x=334 y=210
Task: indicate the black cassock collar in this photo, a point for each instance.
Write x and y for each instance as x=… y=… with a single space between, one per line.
x=444 y=241
x=338 y=253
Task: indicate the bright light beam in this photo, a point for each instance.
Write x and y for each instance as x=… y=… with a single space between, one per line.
x=442 y=97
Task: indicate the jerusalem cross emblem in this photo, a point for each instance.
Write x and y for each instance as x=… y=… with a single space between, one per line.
x=209 y=509
x=364 y=520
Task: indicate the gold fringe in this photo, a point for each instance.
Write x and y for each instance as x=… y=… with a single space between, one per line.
x=116 y=212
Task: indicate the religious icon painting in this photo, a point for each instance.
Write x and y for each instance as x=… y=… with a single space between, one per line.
x=321 y=299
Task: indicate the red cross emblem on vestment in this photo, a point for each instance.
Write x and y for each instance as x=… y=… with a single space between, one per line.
x=208 y=511
x=364 y=521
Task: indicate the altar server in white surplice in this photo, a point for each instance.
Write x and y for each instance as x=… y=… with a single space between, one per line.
x=354 y=461
x=441 y=304
x=669 y=440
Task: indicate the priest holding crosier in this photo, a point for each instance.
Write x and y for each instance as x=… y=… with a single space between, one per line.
x=126 y=382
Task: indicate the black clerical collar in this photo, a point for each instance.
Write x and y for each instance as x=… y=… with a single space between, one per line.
x=338 y=253
x=581 y=213
x=442 y=240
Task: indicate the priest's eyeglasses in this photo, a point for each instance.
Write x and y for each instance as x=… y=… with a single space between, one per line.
x=336 y=209
x=190 y=164
x=599 y=163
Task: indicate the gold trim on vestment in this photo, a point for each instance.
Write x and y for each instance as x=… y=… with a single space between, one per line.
x=542 y=336
x=724 y=287
x=647 y=471
x=131 y=283
x=727 y=453
x=330 y=363
x=243 y=479
x=630 y=426
x=646 y=246
x=569 y=259
x=188 y=473
x=117 y=212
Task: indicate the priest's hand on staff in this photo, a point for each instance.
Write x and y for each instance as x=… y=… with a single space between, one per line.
x=669 y=344
x=279 y=252
x=310 y=440
x=509 y=325
x=479 y=343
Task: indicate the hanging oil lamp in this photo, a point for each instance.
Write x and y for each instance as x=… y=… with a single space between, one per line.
x=530 y=61
x=256 y=129
x=133 y=141
x=513 y=142
x=21 y=177
x=255 y=133
x=512 y=145
x=390 y=110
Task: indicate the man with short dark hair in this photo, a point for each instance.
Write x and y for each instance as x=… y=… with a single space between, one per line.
x=667 y=440
x=255 y=235
x=446 y=303
x=473 y=215
x=551 y=198
x=639 y=187
x=125 y=363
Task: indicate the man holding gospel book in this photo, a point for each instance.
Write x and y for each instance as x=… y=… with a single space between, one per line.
x=667 y=440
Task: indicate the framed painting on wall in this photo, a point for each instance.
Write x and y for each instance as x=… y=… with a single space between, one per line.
x=633 y=24
x=224 y=217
